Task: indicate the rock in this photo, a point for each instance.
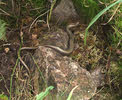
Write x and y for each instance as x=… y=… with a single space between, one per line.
x=64 y=12
x=62 y=72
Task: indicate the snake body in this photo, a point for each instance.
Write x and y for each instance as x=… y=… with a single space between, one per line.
x=70 y=42
x=70 y=46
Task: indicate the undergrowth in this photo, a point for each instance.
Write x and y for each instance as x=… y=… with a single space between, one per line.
x=87 y=8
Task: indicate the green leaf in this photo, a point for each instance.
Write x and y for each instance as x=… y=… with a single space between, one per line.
x=97 y=16
x=42 y=95
x=70 y=95
x=3 y=97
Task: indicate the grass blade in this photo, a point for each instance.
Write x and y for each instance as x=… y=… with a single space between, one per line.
x=97 y=16
x=70 y=95
x=42 y=95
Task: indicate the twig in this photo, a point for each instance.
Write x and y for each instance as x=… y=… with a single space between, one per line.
x=36 y=19
x=5 y=12
x=2 y=3
x=48 y=22
x=7 y=44
x=113 y=14
x=12 y=3
x=5 y=83
x=24 y=64
x=99 y=90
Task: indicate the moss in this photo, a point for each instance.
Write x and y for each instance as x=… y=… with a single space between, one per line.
x=86 y=8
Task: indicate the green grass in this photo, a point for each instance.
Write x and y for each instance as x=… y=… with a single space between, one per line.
x=38 y=3
x=52 y=6
x=116 y=37
x=70 y=94
x=98 y=16
x=14 y=69
x=86 y=8
x=42 y=95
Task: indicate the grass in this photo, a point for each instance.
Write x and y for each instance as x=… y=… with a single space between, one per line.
x=86 y=8
x=38 y=3
x=42 y=95
x=13 y=72
x=13 y=12
x=70 y=94
x=98 y=16
x=52 y=6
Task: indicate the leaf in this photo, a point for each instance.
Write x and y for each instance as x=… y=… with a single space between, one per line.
x=42 y=95
x=3 y=97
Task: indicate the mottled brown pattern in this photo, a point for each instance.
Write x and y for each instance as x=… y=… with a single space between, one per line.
x=64 y=74
x=64 y=12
